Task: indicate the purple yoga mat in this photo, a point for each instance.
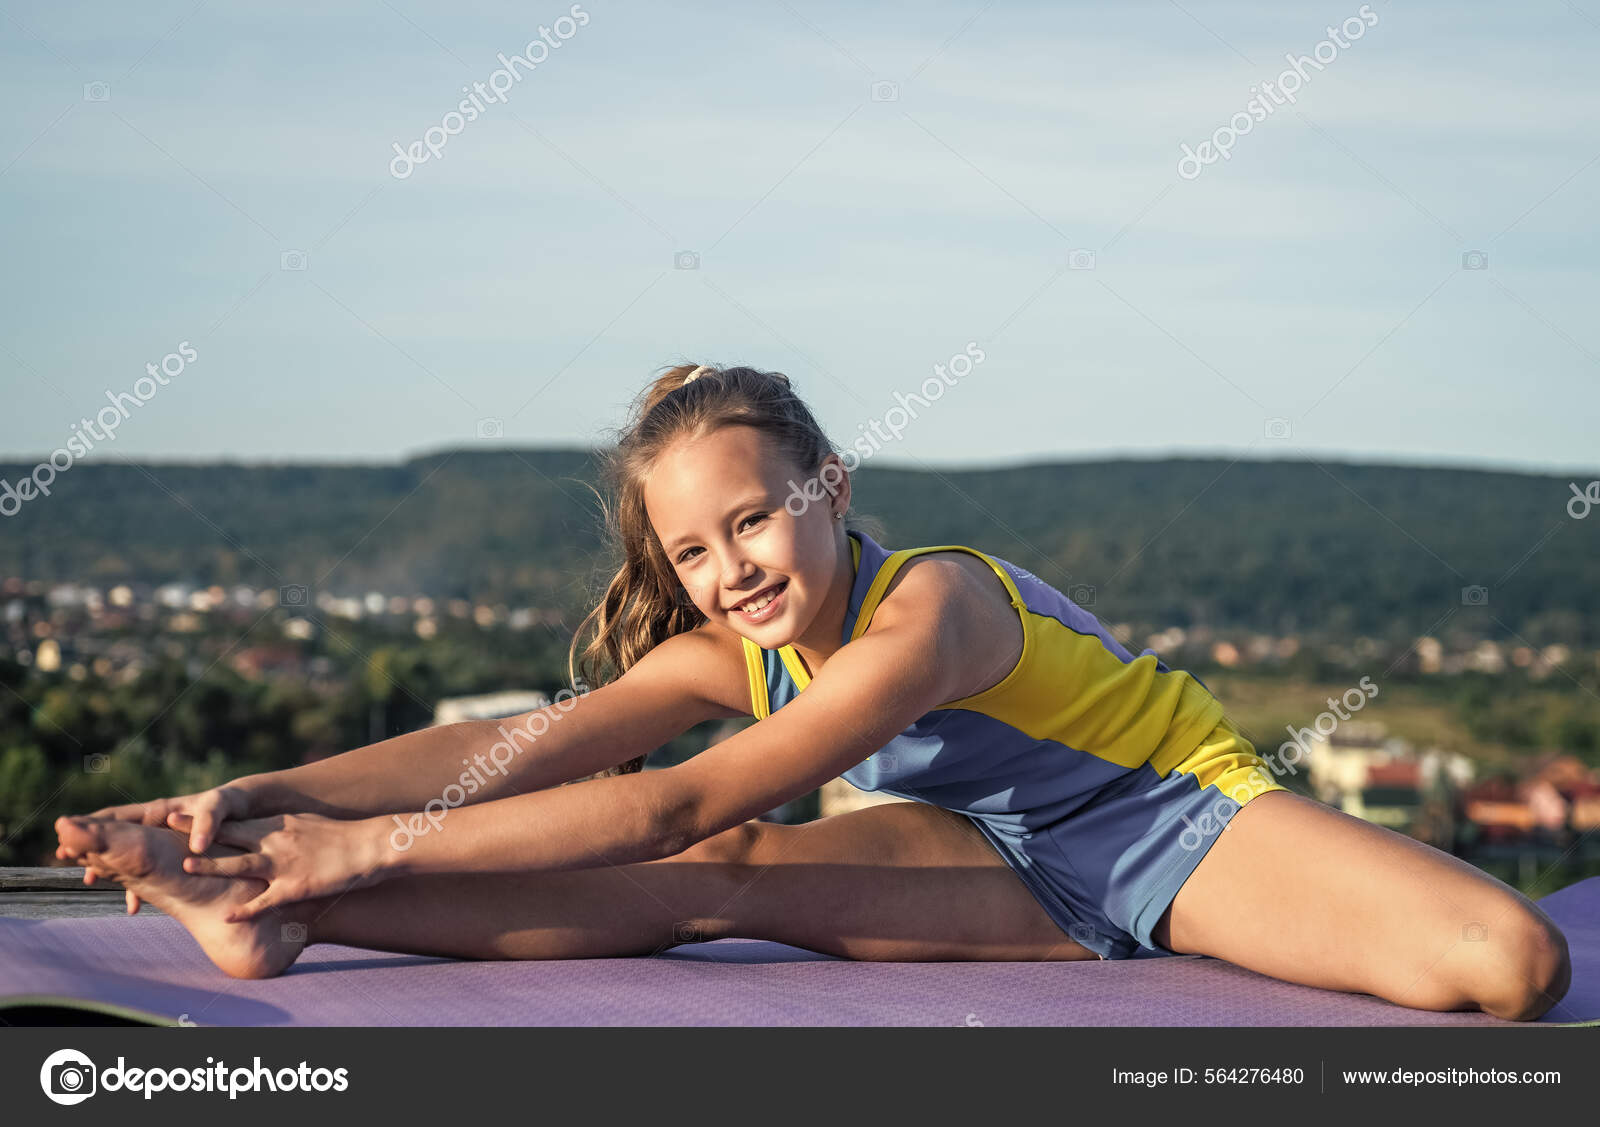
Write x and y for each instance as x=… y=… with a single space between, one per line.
x=150 y=967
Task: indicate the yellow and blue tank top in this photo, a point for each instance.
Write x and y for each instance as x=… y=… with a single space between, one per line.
x=1077 y=711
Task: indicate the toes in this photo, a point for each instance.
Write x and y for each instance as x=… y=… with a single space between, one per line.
x=95 y=868
x=79 y=836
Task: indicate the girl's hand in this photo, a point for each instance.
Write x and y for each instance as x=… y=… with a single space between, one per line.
x=204 y=811
x=300 y=856
x=208 y=809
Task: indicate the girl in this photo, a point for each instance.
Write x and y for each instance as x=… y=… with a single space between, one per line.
x=1068 y=800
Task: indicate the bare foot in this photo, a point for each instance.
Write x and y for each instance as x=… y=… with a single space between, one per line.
x=148 y=860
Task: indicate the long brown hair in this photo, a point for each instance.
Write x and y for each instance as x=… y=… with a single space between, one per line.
x=644 y=604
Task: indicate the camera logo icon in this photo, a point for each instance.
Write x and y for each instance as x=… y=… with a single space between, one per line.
x=1278 y=429
x=1082 y=594
x=1080 y=259
x=97 y=91
x=686 y=260
x=1474 y=596
x=1082 y=934
x=97 y=763
x=1474 y=260
x=292 y=260
x=293 y=595
x=685 y=933
x=68 y=1077
x=491 y=428
x=293 y=933
x=885 y=92
x=1474 y=933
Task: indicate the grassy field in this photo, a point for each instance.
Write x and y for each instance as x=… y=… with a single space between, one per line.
x=1263 y=708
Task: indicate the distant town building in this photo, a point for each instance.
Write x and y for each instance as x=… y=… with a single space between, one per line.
x=259 y=662
x=1557 y=795
x=490 y=706
x=1360 y=770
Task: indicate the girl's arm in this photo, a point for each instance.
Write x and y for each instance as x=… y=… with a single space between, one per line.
x=936 y=642
x=482 y=760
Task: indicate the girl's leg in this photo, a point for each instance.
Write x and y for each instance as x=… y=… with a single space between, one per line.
x=900 y=881
x=1303 y=892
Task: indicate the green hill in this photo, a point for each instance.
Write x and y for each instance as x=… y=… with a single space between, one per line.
x=1283 y=546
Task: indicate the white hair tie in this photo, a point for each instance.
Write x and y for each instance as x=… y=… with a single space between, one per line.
x=694 y=375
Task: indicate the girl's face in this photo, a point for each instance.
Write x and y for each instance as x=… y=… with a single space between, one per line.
x=737 y=526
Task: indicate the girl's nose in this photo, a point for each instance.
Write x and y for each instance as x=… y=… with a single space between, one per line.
x=734 y=571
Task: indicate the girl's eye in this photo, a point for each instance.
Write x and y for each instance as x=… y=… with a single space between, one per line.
x=686 y=556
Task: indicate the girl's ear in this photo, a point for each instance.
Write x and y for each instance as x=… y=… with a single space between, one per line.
x=835 y=478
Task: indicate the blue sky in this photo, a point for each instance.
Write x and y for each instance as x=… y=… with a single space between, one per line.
x=527 y=273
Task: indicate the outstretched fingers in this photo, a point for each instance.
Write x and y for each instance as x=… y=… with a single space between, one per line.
x=241 y=865
x=145 y=813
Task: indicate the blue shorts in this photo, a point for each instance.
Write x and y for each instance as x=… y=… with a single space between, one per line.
x=1107 y=872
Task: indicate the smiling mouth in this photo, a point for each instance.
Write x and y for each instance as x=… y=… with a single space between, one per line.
x=761 y=599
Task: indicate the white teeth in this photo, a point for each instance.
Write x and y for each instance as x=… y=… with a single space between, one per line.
x=752 y=607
